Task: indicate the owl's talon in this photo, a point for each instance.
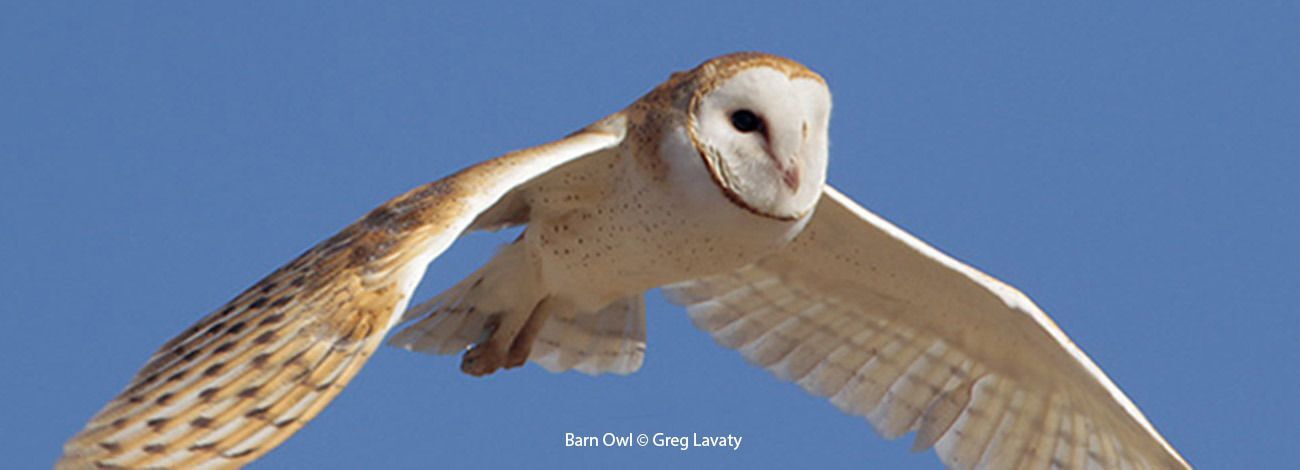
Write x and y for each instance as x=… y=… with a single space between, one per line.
x=518 y=355
x=482 y=359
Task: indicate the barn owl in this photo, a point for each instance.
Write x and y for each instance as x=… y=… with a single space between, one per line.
x=712 y=187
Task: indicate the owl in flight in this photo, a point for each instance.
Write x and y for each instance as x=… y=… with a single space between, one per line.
x=712 y=187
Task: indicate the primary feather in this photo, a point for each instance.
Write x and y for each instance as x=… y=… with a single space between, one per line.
x=889 y=328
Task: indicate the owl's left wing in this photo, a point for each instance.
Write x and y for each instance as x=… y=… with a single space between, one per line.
x=886 y=326
x=245 y=378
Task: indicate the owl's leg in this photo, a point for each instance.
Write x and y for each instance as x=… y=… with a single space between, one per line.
x=508 y=340
x=522 y=345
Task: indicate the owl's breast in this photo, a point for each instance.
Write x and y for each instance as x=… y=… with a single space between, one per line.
x=657 y=224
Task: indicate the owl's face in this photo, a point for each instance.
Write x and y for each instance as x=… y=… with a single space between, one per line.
x=761 y=127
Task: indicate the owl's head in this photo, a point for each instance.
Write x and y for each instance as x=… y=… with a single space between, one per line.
x=760 y=123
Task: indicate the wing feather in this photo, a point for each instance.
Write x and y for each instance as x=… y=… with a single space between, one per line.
x=889 y=328
x=243 y=379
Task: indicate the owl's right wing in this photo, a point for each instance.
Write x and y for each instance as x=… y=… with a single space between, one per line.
x=245 y=378
x=859 y=311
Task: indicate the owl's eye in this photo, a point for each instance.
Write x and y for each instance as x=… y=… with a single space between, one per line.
x=746 y=121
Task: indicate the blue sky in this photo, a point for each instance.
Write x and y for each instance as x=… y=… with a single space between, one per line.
x=1132 y=168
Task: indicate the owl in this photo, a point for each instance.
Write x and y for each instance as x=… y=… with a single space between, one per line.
x=712 y=187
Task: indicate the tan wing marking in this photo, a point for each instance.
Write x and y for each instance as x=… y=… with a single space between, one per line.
x=269 y=360
x=246 y=377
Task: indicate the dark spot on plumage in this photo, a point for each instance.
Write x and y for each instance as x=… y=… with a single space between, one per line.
x=295 y=359
x=250 y=392
x=118 y=423
x=285 y=422
x=298 y=281
x=151 y=378
x=264 y=338
x=226 y=346
x=206 y=446
x=201 y=422
x=157 y=423
x=259 y=302
x=236 y=328
x=241 y=453
x=135 y=399
x=281 y=301
x=189 y=331
x=154 y=448
x=191 y=355
x=208 y=393
x=273 y=318
x=405 y=211
x=163 y=399
x=268 y=287
x=325 y=386
x=301 y=374
x=365 y=250
x=257 y=413
x=214 y=369
x=110 y=446
x=259 y=361
x=215 y=328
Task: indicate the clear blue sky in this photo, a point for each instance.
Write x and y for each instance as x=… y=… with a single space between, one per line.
x=1132 y=168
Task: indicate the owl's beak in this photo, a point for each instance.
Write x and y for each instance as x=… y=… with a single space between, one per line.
x=784 y=150
x=790 y=175
x=787 y=167
x=786 y=159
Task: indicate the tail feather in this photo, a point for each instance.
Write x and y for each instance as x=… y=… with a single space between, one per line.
x=610 y=340
x=459 y=317
x=450 y=325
